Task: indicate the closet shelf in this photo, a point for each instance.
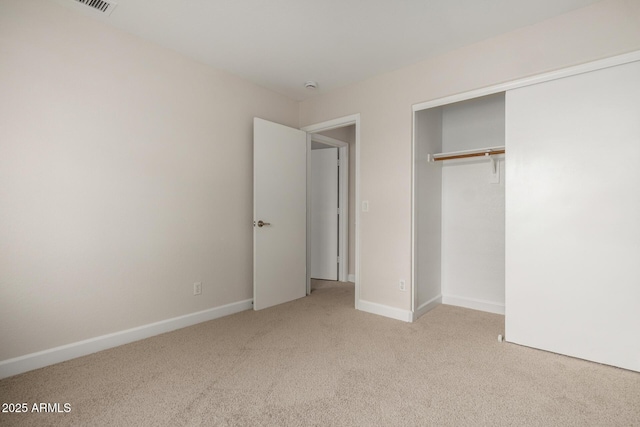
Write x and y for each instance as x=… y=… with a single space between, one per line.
x=481 y=152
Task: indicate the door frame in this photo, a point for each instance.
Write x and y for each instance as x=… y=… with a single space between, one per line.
x=343 y=200
x=339 y=122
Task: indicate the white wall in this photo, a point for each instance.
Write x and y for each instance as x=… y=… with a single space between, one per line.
x=573 y=216
x=473 y=206
x=428 y=210
x=125 y=176
x=475 y=123
x=384 y=102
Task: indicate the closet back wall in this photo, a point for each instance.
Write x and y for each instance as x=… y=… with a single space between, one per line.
x=472 y=207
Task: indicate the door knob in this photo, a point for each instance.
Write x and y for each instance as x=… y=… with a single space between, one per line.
x=261 y=223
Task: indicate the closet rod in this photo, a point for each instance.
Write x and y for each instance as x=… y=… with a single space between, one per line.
x=465 y=155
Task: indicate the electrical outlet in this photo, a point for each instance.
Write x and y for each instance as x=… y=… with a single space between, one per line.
x=402 y=286
x=197 y=288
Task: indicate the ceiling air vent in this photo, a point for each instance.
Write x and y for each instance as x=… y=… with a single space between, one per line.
x=100 y=5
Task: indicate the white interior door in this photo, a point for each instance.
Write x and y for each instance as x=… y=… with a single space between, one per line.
x=324 y=214
x=279 y=214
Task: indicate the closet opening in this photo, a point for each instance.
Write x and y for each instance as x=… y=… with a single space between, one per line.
x=459 y=205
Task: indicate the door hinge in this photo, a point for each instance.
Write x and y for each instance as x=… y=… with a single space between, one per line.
x=338 y=259
x=339 y=211
x=338 y=162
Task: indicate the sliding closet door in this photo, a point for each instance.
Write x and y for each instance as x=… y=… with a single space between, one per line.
x=573 y=216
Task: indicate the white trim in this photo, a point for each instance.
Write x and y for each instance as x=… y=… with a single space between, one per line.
x=357 y=205
x=414 y=286
x=426 y=307
x=328 y=141
x=308 y=228
x=353 y=119
x=51 y=356
x=340 y=122
x=351 y=278
x=528 y=81
x=343 y=237
x=475 y=304
x=386 y=311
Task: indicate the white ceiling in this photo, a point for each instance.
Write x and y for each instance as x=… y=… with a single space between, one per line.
x=280 y=44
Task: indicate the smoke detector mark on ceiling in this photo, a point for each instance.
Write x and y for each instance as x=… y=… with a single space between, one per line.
x=103 y=6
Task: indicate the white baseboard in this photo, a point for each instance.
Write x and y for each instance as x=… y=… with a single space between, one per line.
x=51 y=356
x=385 y=310
x=427 y=306
x=475 y=304
x=351 y=278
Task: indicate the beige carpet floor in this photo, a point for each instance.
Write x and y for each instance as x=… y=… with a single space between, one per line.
x=319 y=362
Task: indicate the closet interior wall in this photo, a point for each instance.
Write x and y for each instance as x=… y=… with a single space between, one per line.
x=459 y=223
